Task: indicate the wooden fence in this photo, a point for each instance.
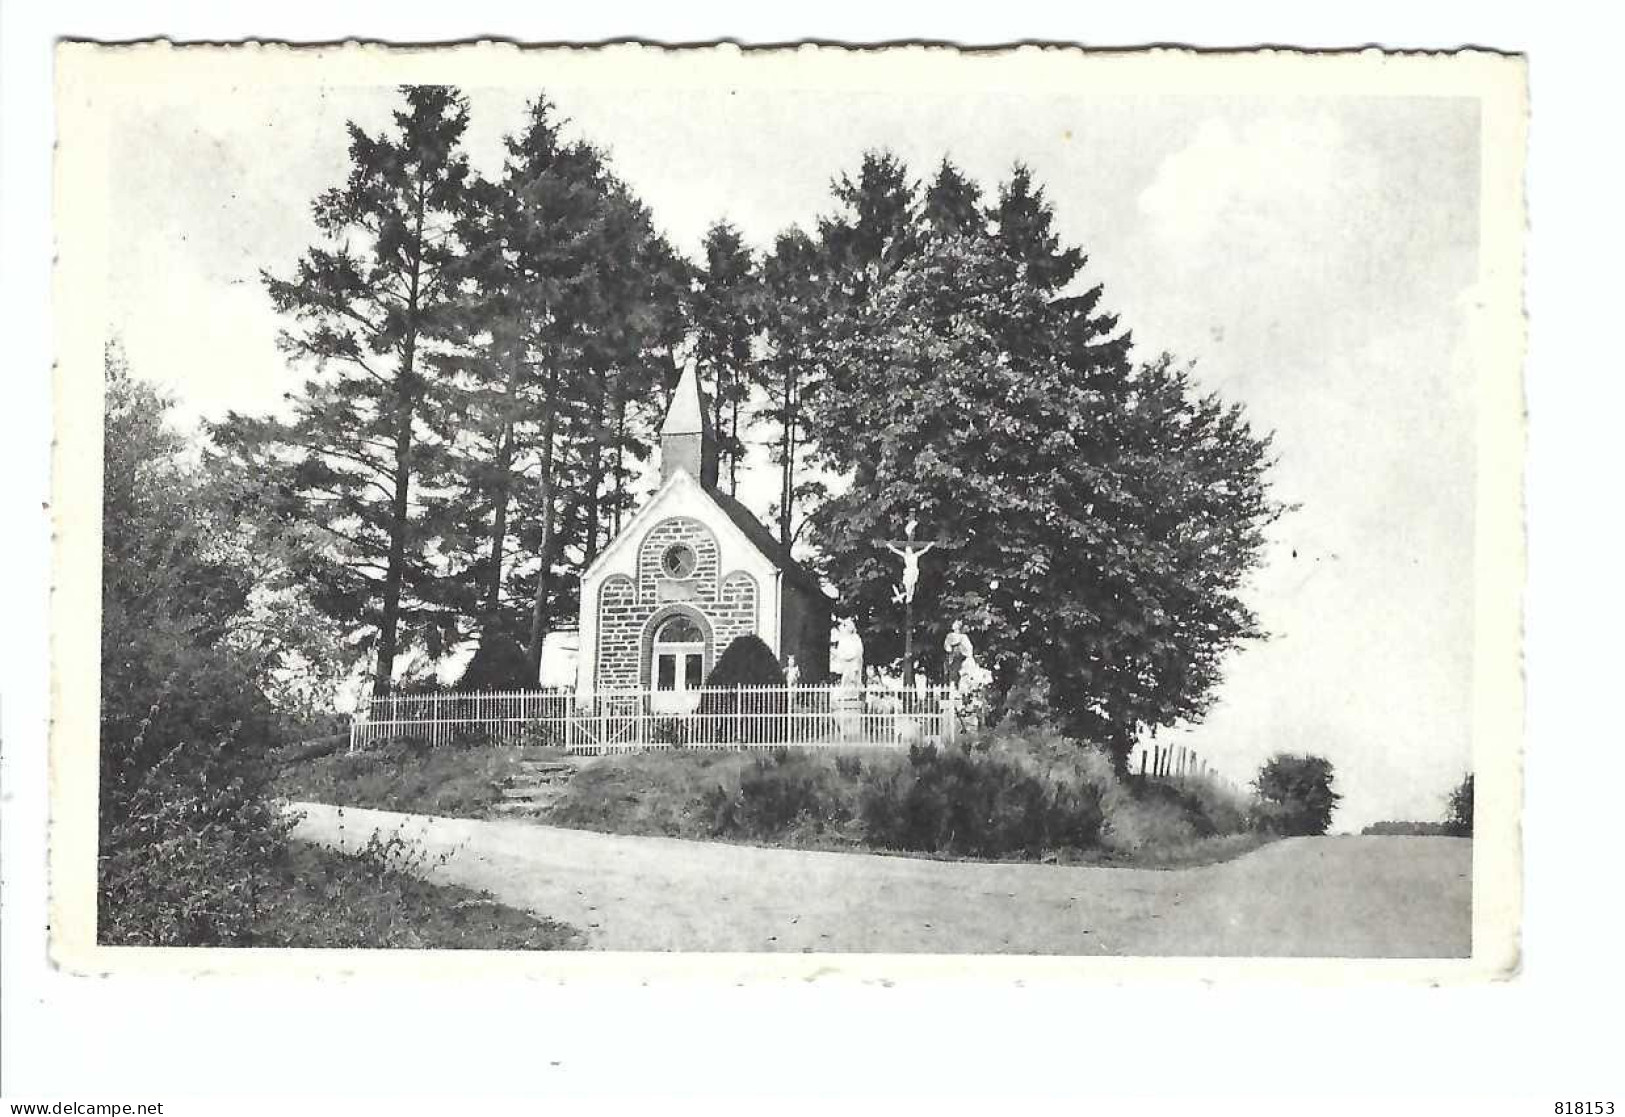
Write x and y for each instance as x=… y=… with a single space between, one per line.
x=1179 y=764
x=627 y=720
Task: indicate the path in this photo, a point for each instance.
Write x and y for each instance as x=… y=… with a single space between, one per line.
x=1329 y=897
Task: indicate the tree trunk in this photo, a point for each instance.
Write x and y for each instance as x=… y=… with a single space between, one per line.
x=620 y=464
x=393 y=573
x=733 y=450
x=499 y=527
x=593 y=509
x=787 y=461
x=405 y=403
x=544 y=547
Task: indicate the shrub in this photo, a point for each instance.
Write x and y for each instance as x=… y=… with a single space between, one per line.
x=1295 y=795
x=1009 y=792
x=190 y=852
x=979 y=801
x=780 y=792
x=1027 y=703
x=1459 y=819
x=747 y=661
x=750 y=719
x=499 y=663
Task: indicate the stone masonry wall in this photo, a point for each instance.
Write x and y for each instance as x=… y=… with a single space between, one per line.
x=728 y=604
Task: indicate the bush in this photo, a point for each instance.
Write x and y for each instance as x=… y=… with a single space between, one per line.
x=190 y=852
x=782 y=792
x=747 y=661
x=1026 y=704
x=189 y=843
x=983 y=802
x=1459 y=819
x=1295 y=795
x=1027 y=793
x=754 y=719
x=499 y=663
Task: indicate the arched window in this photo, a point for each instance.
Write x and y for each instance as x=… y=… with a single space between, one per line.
x=678 y=655
x=680 y=629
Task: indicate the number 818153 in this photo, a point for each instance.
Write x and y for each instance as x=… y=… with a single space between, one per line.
x=1583 y=1108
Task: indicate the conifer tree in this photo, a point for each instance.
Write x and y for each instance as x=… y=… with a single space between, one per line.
x=953 y=204
x=563 y=322
x=369 y=309
x=725 y=308
x=875 y=229
x=795 y=285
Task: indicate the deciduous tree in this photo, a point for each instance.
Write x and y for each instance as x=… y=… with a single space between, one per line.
x=1099 y=516
x=1295 y=794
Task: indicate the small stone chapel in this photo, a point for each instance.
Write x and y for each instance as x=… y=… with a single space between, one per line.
x=691 y=572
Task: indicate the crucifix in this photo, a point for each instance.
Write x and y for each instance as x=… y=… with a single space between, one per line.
x=909 y=550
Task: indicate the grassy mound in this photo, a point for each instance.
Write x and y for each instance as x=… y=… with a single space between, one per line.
x=452 y=781
x=372 y=899
x=1007 y=795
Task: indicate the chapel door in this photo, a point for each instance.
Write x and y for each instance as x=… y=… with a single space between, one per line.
x=677 y=666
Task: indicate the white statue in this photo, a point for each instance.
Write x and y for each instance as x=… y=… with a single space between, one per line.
x=792 y=673
x=909 y=551
x=961 y=656
x=847 y=662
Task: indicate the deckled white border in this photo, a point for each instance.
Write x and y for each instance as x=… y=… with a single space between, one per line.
x=90 y=78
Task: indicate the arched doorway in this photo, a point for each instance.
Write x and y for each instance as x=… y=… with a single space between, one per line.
x=677 y=664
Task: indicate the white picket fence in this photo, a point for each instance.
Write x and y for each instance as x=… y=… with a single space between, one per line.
x=628 y=720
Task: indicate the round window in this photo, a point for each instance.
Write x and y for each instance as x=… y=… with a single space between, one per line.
x=679 y=560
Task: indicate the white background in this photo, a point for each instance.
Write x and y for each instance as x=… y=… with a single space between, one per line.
x=1551 y=1034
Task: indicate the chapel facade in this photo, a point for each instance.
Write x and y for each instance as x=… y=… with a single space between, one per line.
x=690 y=573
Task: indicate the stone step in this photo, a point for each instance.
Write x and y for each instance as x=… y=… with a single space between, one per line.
x=530 y=793
x=519 y=808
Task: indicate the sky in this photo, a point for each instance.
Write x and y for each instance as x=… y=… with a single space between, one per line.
x=1315 y=258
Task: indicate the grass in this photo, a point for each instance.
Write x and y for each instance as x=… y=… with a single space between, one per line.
x=451 y=782
x=648 y=793
x=809 y=799
x=330 y=899
x=697 y=794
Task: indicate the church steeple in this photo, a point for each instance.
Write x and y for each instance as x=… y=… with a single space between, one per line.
x=686 y=438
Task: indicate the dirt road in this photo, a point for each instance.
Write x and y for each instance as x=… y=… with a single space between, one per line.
x=1392 y=897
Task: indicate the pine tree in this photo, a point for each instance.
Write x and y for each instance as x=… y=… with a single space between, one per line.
x=875 y=229
x=795 y=285
x=725 y=308
x=566 y=314
x=953 y=204
x=370 y=308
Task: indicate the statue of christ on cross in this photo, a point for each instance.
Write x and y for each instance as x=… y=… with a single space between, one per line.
x=909 y=550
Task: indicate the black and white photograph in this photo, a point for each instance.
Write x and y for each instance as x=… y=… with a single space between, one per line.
x=867 y=505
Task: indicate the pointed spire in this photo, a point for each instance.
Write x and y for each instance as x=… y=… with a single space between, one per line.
x=686 y=439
